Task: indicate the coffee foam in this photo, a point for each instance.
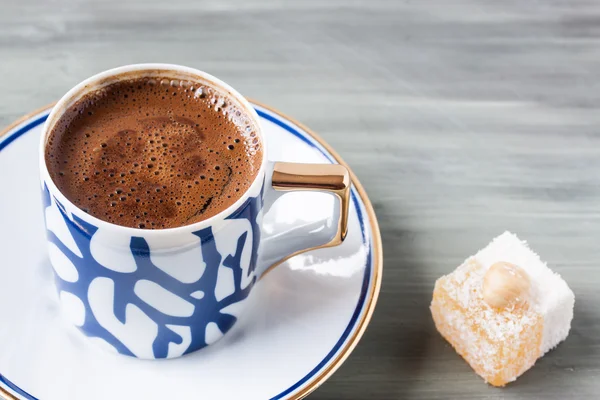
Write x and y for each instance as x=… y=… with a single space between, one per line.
x=154 y=153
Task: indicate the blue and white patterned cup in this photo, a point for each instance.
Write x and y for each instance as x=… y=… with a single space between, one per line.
x=164 y=293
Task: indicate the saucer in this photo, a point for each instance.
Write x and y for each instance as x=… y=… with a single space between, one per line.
x=305 y=316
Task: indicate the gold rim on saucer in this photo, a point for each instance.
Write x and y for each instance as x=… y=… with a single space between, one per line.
x=315 y=381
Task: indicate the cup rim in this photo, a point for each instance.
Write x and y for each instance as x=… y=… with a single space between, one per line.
x=110 y=76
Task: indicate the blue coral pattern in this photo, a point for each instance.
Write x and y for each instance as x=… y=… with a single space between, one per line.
x=206 y=309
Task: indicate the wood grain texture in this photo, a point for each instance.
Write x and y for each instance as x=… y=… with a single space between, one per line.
x=462 y=118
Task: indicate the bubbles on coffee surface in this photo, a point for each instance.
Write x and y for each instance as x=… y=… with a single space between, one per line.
x=154 y=153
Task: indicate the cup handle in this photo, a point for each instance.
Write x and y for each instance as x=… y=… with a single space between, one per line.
x=278 y=245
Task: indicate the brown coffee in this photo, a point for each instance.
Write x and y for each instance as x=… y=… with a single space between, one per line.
x=154 y=152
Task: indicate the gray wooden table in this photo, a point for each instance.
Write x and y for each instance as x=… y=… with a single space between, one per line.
x=462 y=118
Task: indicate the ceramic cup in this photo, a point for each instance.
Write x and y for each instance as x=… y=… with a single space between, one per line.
x=164 y=293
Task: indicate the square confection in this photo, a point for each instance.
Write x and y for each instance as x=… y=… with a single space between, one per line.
x=502 y=309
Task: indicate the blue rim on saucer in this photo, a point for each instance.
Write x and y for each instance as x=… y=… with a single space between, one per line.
x=372 y=272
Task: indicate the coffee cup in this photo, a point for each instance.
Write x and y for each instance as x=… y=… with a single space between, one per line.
x=163 y=293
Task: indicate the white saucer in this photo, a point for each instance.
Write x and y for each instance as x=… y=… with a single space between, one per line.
x=306 y=316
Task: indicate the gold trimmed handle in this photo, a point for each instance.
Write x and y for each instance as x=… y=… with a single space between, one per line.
x=286 y=177
x=333 y=178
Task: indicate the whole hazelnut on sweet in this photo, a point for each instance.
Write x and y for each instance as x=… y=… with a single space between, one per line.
x=505 y=284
